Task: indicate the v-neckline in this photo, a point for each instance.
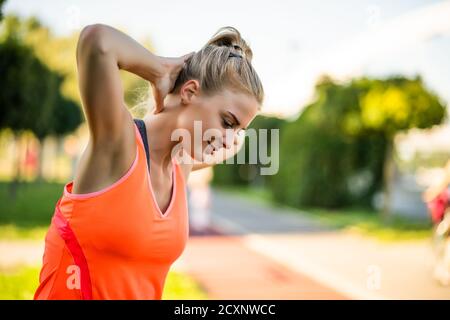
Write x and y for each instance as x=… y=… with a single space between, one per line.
x=148 y=168
x=172 y=193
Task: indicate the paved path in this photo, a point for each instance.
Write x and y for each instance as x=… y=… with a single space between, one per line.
x=227 y=269
x=334 y=263
x=358 y=267
x=20 y=252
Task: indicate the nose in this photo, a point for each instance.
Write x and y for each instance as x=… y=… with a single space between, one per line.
x=222 y=142
x=227 y=141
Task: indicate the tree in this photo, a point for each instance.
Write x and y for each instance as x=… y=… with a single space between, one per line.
x=339 y=150
x=395 y=105
x=2 y=2
x=31 y=98
x=29 y=93
x=248 y=173
x=41 y=92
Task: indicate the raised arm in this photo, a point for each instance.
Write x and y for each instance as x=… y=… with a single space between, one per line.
x=101 y=52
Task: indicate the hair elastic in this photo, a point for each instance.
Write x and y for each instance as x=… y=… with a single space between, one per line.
x=232 y=54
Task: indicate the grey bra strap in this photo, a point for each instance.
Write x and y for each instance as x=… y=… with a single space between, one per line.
x=143 y=131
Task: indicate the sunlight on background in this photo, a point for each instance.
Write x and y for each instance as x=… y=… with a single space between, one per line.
x=359 y=92
x=294 y=41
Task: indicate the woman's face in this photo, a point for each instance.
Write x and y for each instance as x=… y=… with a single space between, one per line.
x=216 y=120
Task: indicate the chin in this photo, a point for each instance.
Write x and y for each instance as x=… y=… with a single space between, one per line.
x=198 y=155
x=204 y=155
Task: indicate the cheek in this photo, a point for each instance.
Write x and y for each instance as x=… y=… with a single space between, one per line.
x=193 y=143
x=195 y=123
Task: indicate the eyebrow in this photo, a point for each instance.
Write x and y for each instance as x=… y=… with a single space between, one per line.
x=236 y=119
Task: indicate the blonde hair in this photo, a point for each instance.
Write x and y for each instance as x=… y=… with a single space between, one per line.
x=224 y=62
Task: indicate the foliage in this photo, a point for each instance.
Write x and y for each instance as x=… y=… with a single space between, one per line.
x=32 y=98
x=248 y=173
x=21 y=283
x=180 y=286
x=2 y=2
x=33 y=206
x=334 y=154
x=42 y=84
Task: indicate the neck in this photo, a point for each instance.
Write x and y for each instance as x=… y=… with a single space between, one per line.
x=159 y=130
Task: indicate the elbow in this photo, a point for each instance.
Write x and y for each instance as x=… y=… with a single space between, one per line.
x=92 y=40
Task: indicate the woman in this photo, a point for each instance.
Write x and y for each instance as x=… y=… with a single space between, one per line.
x=122 y=221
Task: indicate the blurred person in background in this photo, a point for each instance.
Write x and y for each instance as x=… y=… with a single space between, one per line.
x=200 y=200
x=437 y=198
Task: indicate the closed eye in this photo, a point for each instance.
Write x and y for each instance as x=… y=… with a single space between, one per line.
x=227 y=124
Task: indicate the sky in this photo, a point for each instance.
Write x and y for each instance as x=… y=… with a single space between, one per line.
x=293 y=41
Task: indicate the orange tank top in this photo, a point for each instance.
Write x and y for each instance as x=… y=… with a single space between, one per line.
x=114 y=243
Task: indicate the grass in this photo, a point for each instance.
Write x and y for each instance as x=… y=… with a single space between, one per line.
x=28 y=215
x=14 y=232
x=180 y=286
x=358 y=220
x=369 y=222
x=259 y=195
x=21 y=283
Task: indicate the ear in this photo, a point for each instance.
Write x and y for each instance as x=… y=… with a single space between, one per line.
x=189 y=90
